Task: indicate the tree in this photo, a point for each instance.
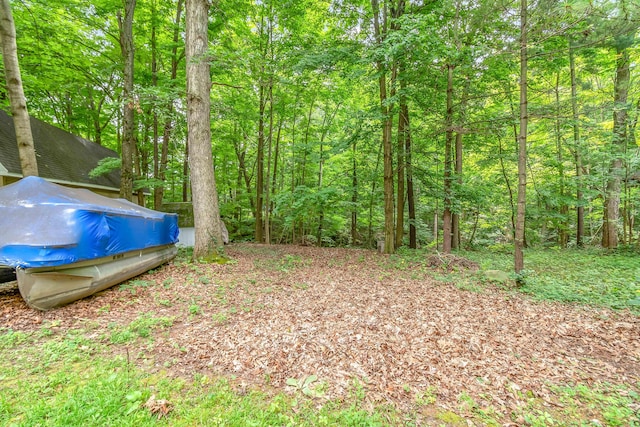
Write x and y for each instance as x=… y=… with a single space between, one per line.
x=161 y=158
x=623 y=40
x=448 y=165
x=522 y=144
x=577 y=148
x=17 y=99
x=380 y=22
x=128 y=143
x=206 y=213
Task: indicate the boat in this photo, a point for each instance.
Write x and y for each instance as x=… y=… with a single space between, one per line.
x=64 y=244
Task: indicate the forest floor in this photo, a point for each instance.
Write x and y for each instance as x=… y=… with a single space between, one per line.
x=331 y=323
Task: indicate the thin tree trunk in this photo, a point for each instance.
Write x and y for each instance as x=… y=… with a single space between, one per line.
x=276 y=156
x=127 y=50
x=411 y=204
x=508 y=183
x=21 y=122
x=259 y=226
x=157 y=192
x=455 y=217
x=612 y=194
x=168 y=123
x=401 y=159
x=372 y=199
x=577 y=152
x=563 y=227
x=140 y=166
x=389 y=242
x=262 y=104
x=326 y=124
x=241 y=153
x=448 y=164
x=206 y=213
x=305 y=144
x=522 y=144
x=267 y=225
x=354 y=196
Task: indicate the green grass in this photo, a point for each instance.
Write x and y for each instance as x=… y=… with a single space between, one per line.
x=589 y=276
x=142 y=327
x=69 y=381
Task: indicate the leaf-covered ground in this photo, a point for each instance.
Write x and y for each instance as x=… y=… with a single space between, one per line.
x=334 y=322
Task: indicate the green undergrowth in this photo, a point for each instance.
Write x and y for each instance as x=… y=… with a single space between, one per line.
x=71 y=379
x=586 y=276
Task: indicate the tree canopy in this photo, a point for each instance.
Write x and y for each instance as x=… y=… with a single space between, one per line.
x=337 y=122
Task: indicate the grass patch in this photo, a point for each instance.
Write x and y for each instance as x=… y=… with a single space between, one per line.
x=588 y=276
x=141 y=327
x=284 y=263
x=77 y=388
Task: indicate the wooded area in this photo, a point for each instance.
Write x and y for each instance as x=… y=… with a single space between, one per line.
x=348 y=122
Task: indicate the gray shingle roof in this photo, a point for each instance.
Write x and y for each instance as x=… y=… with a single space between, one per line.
x=62 y=156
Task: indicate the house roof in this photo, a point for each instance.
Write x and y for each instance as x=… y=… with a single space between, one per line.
x=62 y=157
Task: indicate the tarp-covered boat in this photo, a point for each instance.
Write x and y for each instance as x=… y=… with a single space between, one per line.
x=66 y=243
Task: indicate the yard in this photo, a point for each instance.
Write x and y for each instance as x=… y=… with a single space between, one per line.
x=319 y=336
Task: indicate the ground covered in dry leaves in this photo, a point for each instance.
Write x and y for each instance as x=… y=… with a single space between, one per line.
x=345 y=318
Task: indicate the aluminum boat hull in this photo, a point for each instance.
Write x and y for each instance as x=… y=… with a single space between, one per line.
x=45 y=288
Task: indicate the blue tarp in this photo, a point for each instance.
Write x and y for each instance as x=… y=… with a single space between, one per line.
x=45 y=225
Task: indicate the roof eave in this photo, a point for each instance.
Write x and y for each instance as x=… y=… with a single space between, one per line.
x=4 y=172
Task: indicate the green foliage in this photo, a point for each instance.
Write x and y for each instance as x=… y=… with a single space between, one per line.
x=9 y=338
x=105 y=166
x=589 y=276
x=82 y=388
x=141 y=327
x=285 y=263
x=309 y=386
x=133 y=285
x=312 y=63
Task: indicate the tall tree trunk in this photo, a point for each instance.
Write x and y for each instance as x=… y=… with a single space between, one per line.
x=305 y=144
x=262 y=94
x=157 y=193
x=577 y=150
x=206 y=213
x=267 y=224
x=455 y=217
x=326 y=124
x=241 y=154
x=402 y=161
x=563 y=226
x=372 y=194
x=126 y=48
x=168 y=122
x=274 y=176
x=21 y=122
x=139 y=167
x=411 y=204
x=389 y=242
x=259 y=225
x=522 y=144
x=612 y=194
x=276 y=157
x=354 y=194
x=448 y=164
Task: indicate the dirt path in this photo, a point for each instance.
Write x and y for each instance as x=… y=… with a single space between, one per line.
x=353 y=319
